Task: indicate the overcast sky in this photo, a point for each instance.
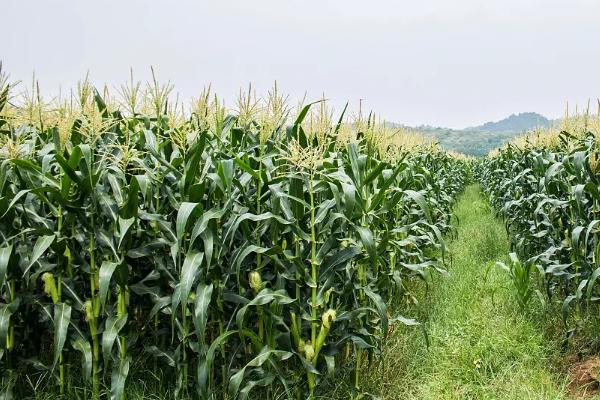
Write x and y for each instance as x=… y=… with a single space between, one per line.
x=452 y=63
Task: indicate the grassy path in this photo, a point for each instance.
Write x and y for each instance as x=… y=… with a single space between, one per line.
x=481 y=347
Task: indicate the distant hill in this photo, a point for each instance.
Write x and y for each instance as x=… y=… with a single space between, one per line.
x=479 y=140
x=472 y=142
x=515 y=123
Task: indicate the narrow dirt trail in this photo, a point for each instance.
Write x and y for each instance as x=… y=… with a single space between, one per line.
x=481 y=346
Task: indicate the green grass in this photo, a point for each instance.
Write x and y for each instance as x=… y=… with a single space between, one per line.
x=481 y=345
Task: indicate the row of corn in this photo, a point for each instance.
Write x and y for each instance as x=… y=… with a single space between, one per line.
x=223 y=252
x=546 y=186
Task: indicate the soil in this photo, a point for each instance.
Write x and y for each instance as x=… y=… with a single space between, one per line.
x=583 y=377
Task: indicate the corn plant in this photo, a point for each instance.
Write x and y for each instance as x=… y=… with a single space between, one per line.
x=257 y=249
x=545 y=185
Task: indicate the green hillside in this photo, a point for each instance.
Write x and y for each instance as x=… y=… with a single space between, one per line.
x=514 y=123
x=479 y=140
x=476 y=143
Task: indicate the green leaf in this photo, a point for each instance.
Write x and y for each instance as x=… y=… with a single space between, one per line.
x=203 y=297
x=263 y=382
x=193 y=163
x=124 y=227
x=355 y=164
x=62 y=319
x=112 y=327
x=144 y=184
x=130 y=208
x=118 y=378
x=381 y=309
x=70 y=171
x=105 y=275
x=14 y=201
x=83 y=346
x=592 y=283
x=383 y=191
x=34 y=169
x=66 y=180
x=183 y=215
x=366 y=238
x=100 y=104
x=247 y=168
x=158 y=353
x=340 y=120
x=302 y=114
x=255 y=218
x=225 y=170
x=236 y=380
x=206 y=363
x=421 y=202
x=265 y=296
x=189 y=273
x=322 y=210
x=374 y=174
x=202 y=223
x=5 y=253
x=349 y=198
x=41 y=245
x=6 y=310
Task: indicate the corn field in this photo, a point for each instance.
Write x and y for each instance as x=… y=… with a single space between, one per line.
x=545 y=185
x=231 y=251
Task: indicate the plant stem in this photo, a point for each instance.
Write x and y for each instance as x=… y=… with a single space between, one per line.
x=313 y=262
x=94 y=320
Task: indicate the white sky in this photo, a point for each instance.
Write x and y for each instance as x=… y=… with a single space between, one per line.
x=451 y=63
